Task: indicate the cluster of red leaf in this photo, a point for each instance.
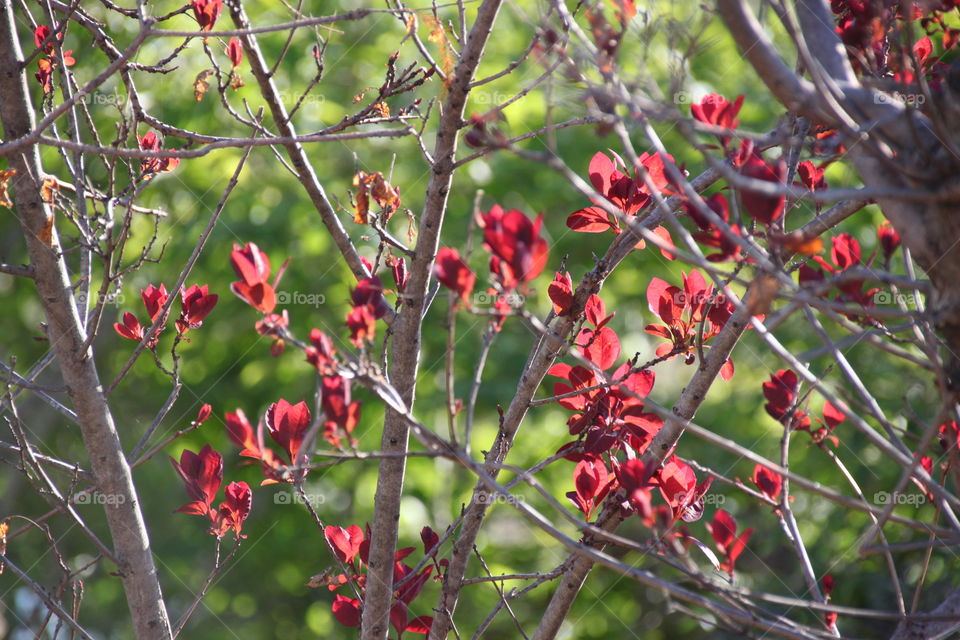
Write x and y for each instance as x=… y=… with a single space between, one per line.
x=202 y=475
x=716 y=110
x=770 y=483
x=350 y=546
x=288 y=426
x=763 y=207
x=206 y=12
x=150 y=141
x=610 y=421
x=48 y=62
x=782 y=394
x=626 y=194
x=609 y=406
x=724 y=532
x=253 y=268
x=518 y=254
x=889 y=239
x=711 y=235
x=596 y=477
x=692 y=316
x=234 y=51
x=844 y=255
x=196 y=302
x=368 y=307
x=873 y=31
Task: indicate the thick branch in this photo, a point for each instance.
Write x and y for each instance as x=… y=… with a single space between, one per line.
x=67 y=336
x=407 y=329
x=920 y=629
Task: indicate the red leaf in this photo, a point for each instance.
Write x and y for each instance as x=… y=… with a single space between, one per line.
x=260 y=296
x=602 y=347
x=596 y=311
x=250 y=263
x=453 y=273
x=430 y=539
x=832 y=415
x=769 y=482
x=561 y=293
x=346 y=611
x=726 y=371
x=235 y=508
x=241 y=434
x=202 y=474
x=664 y=235
x=288 y=424
x=235 y=52
x=763 y=208
x=420 y=624
x=590 y=220
x=345 y=542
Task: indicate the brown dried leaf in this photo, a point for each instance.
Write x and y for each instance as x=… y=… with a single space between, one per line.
x=200 y=85
x=762 y=291
x=326 y=578
x=5 y=187
x=361 y=208
x=804 y=246
x=49 y=189
x=439 y=37
x=797 y=242
x=374 y=185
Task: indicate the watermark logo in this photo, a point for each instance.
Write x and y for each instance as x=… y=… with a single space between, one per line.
x=313 y=499
x=711 y=499
x=301 y=298
x=900 y=98
x=95 y=299
x=491 y=498
x=309 y=101
x=493 y=97
x=488 y=299
x=683 y=299
x=103 y=98
x=886 y=498
x=898 y=299
x=95 y=497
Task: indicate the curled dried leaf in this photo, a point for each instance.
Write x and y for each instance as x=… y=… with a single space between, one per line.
x=374 y=185
x=4 y=527
x=200 y=85
x=762 y=291
x=48 y=190
x=5 y=187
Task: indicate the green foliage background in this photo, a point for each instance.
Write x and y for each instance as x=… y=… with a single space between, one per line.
x=262 y=594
